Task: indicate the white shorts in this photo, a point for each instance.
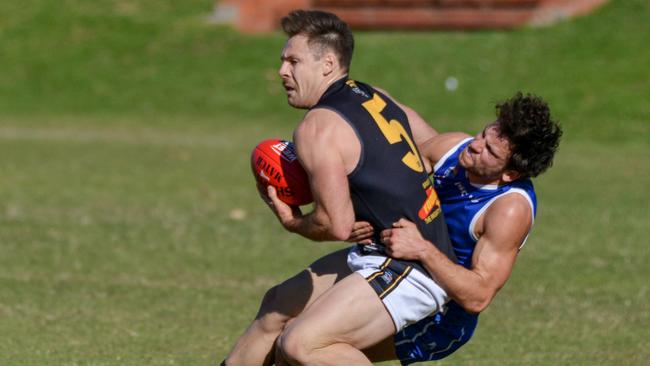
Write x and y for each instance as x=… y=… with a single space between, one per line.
x=407 y=294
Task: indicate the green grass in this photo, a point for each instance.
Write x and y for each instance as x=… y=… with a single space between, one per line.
x=125 y=131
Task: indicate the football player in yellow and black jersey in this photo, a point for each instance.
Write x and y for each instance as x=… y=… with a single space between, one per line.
x=357 y=146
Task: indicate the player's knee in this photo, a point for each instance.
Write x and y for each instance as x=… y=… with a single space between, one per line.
x=289 y=298
x=270 y=300
x=272 y=317
x=293 y=346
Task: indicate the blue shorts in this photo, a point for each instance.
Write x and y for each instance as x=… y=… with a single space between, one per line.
x=435 y=337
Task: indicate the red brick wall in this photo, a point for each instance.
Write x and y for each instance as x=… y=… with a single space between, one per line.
x=258 y=16
x=253 y=16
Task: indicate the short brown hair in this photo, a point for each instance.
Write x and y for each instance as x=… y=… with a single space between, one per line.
x=323 y=30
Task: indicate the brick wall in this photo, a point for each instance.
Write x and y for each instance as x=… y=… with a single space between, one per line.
x=260 y=16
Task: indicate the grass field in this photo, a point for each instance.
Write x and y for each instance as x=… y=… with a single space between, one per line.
x=125 y=131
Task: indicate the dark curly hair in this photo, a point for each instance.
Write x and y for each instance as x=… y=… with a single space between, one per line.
x=525 y=120
x=323 y=30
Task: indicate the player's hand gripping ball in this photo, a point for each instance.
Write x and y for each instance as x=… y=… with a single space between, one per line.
x=275 y=163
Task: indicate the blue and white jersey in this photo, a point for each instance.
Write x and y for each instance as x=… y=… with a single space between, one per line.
x=440 y=335
x=464 y=202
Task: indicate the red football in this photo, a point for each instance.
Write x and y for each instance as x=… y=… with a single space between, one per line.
x=275 y=163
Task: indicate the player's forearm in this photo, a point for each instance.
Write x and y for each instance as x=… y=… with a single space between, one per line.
x=318 y=227
x=464 y=286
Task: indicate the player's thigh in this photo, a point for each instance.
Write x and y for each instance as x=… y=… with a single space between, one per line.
x=350 y=312
x=329 y=269
x=292 y=296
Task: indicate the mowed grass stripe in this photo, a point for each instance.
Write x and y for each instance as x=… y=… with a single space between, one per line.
x=207 y=283
x=95 y=135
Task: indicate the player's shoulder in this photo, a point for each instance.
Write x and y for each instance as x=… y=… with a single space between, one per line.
x=512 y=207
x=512 y=204
x=390 y=98
x=506 y=221
x=325 y=131
x=318 y=120
x=383 y=91
x=323 y=124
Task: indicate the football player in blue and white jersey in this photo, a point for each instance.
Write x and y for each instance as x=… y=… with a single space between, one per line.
x=489 y=204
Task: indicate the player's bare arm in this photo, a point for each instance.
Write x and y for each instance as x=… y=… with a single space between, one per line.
x=431 y=144
x=420 y=128
x=325 y=144
x=504 y=226
x=434 y=148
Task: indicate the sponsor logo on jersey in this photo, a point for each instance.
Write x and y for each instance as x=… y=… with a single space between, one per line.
x=387 y=277
x=463 y=192
x=461 y=189
x=431 y=207
x=356 y=89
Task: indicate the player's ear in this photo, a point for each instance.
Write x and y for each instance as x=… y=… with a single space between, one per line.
x=510 y=176
x=330 y=63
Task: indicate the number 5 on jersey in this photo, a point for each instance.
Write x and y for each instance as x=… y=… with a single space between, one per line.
x=393 y=131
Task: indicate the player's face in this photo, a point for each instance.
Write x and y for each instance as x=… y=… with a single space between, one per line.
x=301 y=73
x=486 y=157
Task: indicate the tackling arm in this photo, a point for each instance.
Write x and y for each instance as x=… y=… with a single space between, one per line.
x=505 y=225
